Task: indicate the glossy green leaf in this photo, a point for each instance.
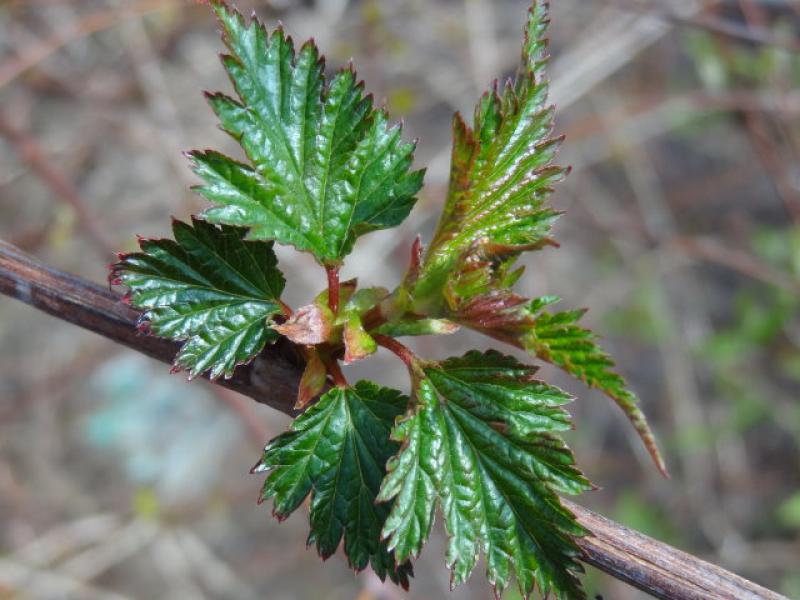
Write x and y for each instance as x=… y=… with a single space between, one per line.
x=557 y=338
x=336 y=451
x=208 y=287
x=501 y=174
x=480 y=443
x=324 y=165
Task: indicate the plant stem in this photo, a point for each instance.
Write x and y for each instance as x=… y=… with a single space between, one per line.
x=333 y=288
x=336 y=372
x=285 y=308
x=403 y=352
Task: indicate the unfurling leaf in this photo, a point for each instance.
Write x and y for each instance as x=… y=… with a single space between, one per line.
x=208 y=287
x=500 y=175
x=418 y=327
x=336 y=451
x=358 y=344
x=324 y=165
x=557 y=339
x=480 y=444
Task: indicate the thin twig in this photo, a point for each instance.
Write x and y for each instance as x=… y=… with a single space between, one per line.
x=643 y=562
x=102 y=19
x=401 y=351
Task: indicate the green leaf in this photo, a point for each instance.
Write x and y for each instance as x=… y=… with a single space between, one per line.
x=324 y=165
x=208 y=287
x=336 y=451
x=557 y=338
x=480 y=444
x=501 y=174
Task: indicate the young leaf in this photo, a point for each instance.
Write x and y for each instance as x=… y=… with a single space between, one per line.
x=418 y=326
x=558 y=339
x=500 y=175
x=325 y=167
x=480 y=443
x=208 y=287
x=337 y=451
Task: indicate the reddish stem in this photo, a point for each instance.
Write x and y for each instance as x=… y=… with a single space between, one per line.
x=336 y=372
x=403 y=352
x=333 y=288
x=285 y=308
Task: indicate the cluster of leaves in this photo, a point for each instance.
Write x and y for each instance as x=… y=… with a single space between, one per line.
x=477 y=439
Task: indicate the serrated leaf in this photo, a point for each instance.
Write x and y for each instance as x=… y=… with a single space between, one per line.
x=325 y=167
x=336 y=451
x=208 y=287
x=480 y=444
x=557 y=338
x=501 y=174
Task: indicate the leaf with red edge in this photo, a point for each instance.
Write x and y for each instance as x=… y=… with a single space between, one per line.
x=208 y=287
x=501 y=175
x=324 y=166
x=556 y=338
x=336 y=451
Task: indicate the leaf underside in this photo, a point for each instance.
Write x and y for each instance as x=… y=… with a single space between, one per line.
x=336 y=451
x=208 y=287
x=480 y=443
x=324 y=165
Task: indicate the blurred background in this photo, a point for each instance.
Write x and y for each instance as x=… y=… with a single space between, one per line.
x=682 y=233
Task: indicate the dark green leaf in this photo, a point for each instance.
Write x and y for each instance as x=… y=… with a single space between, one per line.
x=480 y=443
x=337 y=451
x=325 y=167
x=208 y=287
